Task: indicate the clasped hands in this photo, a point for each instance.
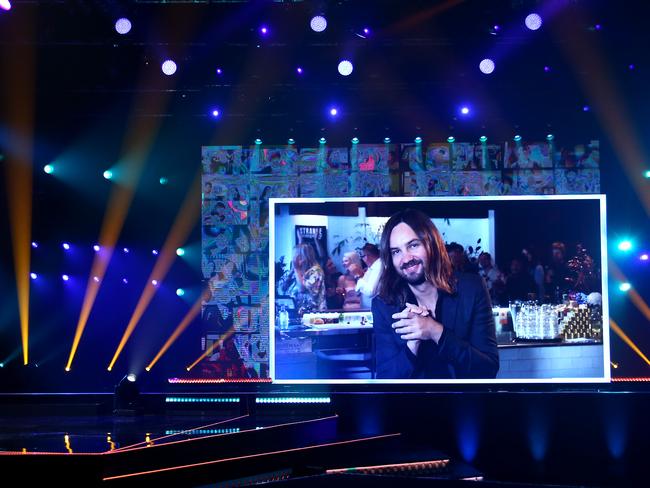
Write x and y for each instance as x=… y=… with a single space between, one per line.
x=416 y=323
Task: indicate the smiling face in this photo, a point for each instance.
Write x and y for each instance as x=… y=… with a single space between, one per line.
x=408 y=254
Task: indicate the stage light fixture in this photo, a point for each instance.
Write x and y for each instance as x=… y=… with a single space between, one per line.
x=125 y=281
x=550 y=137
x=219 y=71
x=33 y=276
x=386 y=140
x=5 y=4
x=65 y=246
x=123 y=26
x=96 y=247
x=624 y=287
x=495 y=29
x=65 y=277
x=630 y=67
x=263 y=30
x=646 y=174
x=258 y=142
x=533 y=21
x=643 y=257
x=547 y=69
x=168 y=67
x=180 y=292
x=163 y=181
x=180 y=251
x=34 y=244
x=299 y=70
x=291 y=141
x=126 y=400
x=355 y=140
x=585 y=108
x=322 y=140
x=483 y=139
x=345 y=68
x=108 y=174
x=517 y=138
x=126 y=250
x=418 y=140
x=318 y=23
x=486 y=66
x=48 y=168
x=96 y=279
x=154 y=282
x=366 y=31
x=154 y=252
x=451 y=139
x=334 y=111
x=625 y=245
x=215 y=113
x=464 y=110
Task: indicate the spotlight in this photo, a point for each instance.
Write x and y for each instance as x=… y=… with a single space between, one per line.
x=646 y=173
x=180 y=292
x=65 y=277
x=625 y=287
x=5 y=4
x=464 y=110
x=258 y=142
x=33 y=276
x=168 y=67
x=355 y=140
x=126 y=400
x=418 y=140
x=322 y=140
x=486 y=66
x=495 y=29
x=630 y=66
x=625 y=245
x=126 y=250
x=180 y=251
x=108 y=174
x=96 y=247
x=386 y=140
x=216 y=113
x=517 y=138
x=154 y=252
x=123 y=26
x=219 y=71
x=299 y=70
x=345 y=68
x=125 y=281
x=547 y=69
x=154 y=282
x=550 y=137
x=366 y=31
x=533 y=21
x=585 y=108
x=48 y=168
x=643 y=257
x=318 y=23
x=334 y=111
x=483 y=139
x=264 y=30
x=163 y=181
x=34 y=244
x=291 y=141
x=96 y=279
x=65 y=246
x=451 y=139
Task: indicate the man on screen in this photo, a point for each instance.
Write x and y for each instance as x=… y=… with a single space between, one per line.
x=429 y=321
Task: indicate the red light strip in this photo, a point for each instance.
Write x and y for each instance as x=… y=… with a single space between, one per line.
x=637 y=379
x=437 y=464
x=249 y=456
x=217 y=380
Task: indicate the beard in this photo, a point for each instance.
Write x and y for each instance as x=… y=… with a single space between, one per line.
x=411 y=276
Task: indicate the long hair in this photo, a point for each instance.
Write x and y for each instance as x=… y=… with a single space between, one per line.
x=392 y=287
x=304 y=258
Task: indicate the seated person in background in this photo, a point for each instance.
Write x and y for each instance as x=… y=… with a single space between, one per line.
x=493 y=277
x=309 y=288
x=347 y=283
x=367 y=284
x=332 y=275
x=519 y=283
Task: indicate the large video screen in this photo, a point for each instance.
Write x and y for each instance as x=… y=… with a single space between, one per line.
x=438 y=290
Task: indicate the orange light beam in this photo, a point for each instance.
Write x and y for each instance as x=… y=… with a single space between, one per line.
x=185 y=220
x=189 y=316
x=210 y=349
x=594 y=75
x=140 y=136
x=18 y=71
x=627 y=340
x=634 y=296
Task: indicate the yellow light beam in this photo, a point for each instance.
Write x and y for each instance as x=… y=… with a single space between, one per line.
x=627 y=340
x=210 y=349
x=637 y=300
x=593 y=73
x=189 y=316
x=18 y=72
x=139 y=140
x=185 y=220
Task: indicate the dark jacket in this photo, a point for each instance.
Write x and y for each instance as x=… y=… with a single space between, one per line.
x=467 y=347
